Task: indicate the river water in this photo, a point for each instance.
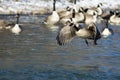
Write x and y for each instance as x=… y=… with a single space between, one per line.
x=35 y=54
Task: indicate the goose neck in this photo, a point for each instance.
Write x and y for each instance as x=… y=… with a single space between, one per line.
x=74 y=1
x=17 y=16
x=54 y=2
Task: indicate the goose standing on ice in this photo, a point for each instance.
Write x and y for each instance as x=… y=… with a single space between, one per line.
x=16 y=29
x=54 y=17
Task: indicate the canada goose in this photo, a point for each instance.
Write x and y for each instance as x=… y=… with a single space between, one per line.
x=106 y=16
x=76 y=17
x=66 y=12
x=16 y=29
x=118 y=13
x=93 y=10
x=106 y=32
x=99 y=9
x=64 y=19
x=67 y=33
x=4 y=24
x=54 y=18
x=90 y=18
x=114 y=19
x=79 y=17
x=89 y=32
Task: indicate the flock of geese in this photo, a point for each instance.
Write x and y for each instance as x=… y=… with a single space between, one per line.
x=73 y=19
x=77 y=21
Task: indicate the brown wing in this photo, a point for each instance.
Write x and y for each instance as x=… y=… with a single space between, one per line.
x=106 y=16
x=65 y=35
x=96 y=34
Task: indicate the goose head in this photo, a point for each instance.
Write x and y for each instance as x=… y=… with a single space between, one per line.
x=117 y=13
x=81 y=9
x=68 y=8
x=111 y=12
x=99 y=5
x=99 y=9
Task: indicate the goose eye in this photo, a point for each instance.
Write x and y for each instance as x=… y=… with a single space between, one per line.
x=71 y=24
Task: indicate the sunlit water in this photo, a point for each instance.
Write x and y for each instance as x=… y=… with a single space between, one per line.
x=35 y=55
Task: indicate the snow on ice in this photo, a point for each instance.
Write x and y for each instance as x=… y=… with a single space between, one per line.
x=28 y=6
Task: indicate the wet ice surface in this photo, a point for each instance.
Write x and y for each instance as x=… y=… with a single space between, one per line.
x=35 y=55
